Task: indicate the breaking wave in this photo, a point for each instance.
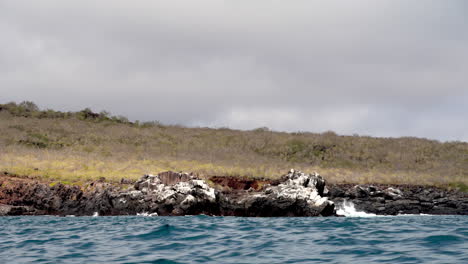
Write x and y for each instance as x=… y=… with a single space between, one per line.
x=347 y=209
x=147 y=214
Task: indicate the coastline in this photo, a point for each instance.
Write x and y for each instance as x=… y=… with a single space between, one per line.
x=172 y=194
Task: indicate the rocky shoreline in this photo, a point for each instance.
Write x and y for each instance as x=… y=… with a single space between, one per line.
x=171 y=193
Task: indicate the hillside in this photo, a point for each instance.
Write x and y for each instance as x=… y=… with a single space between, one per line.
x=81 y=146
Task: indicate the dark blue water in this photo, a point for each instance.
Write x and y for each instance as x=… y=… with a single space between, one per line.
x=204 y=239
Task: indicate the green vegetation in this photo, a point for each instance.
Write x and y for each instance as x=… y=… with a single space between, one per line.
x=80 y=146
x=30 y=109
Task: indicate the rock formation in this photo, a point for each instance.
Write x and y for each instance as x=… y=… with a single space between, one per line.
x=400 y=199
x=171 y=193
x=168 y=193
x=298 y=194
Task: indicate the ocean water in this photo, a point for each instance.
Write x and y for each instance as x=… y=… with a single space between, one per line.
x=204 y=239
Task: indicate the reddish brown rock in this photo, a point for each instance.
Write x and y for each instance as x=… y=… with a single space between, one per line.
x=171 y=193
x=235 y=183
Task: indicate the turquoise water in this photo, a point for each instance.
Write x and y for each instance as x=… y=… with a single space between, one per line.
x=204 y=239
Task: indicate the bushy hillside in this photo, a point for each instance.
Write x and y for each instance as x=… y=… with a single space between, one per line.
x=78 y=146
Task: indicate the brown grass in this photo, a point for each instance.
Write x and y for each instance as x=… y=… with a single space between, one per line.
x=71 y=149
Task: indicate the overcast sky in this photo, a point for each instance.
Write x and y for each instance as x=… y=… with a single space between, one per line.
x=380 y=68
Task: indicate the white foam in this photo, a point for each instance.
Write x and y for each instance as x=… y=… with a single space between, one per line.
x=147 y=214
x=347 y=209
x=414 y=215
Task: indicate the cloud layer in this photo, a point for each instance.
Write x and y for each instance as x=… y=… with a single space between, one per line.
x=381 y=68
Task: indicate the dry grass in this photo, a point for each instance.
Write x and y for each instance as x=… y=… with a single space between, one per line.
x=76 y=150
x=75 y=167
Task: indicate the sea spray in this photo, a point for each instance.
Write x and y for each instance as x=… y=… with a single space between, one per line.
x=147 y=214
x=347 y=209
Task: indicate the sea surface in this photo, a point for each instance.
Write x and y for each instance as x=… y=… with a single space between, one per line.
x=205 y=239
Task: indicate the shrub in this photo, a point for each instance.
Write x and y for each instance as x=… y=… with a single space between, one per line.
x=125 y=147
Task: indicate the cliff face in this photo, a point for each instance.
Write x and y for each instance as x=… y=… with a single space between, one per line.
x=169 y=193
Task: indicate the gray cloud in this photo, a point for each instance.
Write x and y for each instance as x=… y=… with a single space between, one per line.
x=382 y=68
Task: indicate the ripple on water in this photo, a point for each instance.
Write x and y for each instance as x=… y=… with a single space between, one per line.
x=443 y=240
x=155 y=233
x=203 y=239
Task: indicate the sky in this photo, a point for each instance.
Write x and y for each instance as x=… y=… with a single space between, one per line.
x=385 y=68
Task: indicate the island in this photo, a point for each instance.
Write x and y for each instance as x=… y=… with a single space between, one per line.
x=87 y=163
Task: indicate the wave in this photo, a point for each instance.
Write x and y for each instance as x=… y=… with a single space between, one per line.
x=347 y=209
x=232 y=240
x=147 y=214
